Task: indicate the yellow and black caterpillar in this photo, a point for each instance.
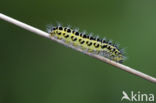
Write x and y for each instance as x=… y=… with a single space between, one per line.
x=88 y=42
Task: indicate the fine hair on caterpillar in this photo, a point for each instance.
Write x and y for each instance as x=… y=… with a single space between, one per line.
x=87 y=42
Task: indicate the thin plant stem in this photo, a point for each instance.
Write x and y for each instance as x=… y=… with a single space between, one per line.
x=44 y=34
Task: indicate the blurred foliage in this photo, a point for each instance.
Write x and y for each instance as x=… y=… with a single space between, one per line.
x=37 y=70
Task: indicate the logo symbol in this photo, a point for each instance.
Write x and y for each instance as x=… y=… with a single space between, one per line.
x=125 y=96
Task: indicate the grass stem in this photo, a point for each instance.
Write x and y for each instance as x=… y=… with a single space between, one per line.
x=44 y=34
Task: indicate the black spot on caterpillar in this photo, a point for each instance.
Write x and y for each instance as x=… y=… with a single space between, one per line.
x=87 y=42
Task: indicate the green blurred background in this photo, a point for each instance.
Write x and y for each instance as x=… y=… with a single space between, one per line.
x=34 y=69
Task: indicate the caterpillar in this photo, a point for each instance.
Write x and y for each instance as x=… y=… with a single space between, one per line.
x=92 y=44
